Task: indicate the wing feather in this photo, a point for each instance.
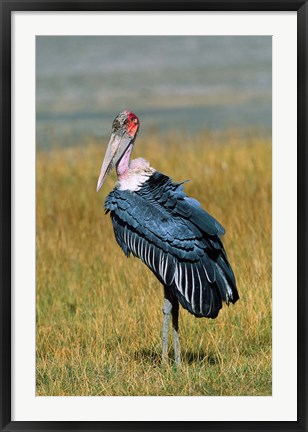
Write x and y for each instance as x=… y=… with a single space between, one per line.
x=178 y=240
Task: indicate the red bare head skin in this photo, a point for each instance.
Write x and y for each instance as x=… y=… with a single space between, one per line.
x=132 y=123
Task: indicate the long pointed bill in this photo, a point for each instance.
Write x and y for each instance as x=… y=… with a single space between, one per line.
x=117 y=145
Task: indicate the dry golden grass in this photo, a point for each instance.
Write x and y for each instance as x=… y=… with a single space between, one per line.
x=99 y=314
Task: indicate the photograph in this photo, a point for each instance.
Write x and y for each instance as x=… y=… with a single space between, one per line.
x=153 y=215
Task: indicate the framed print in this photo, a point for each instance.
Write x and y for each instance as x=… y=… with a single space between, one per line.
x=108 y=109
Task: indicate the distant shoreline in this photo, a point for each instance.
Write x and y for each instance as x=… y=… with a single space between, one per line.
x=206 y=137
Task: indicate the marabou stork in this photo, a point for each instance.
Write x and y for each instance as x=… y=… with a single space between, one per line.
x=154 y=220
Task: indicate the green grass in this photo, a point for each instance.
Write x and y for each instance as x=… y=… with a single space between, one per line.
x=99 y=314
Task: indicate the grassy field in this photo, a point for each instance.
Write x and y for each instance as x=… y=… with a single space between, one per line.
x=99 y=314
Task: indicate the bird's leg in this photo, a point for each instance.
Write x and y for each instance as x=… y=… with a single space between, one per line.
x=167 y=307
x=171 y=306
x=175 y=330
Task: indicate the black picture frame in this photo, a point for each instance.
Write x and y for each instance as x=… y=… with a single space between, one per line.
x=6 y=8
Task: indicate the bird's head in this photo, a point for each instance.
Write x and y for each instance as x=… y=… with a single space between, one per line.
x=124 y=131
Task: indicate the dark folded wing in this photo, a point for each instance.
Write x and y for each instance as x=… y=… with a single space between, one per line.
x=177 y=240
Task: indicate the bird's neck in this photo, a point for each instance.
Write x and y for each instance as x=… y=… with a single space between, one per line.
x=123 y=164
x=138 y=172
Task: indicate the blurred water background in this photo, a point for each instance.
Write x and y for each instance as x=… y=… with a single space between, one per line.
x=183 y=83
